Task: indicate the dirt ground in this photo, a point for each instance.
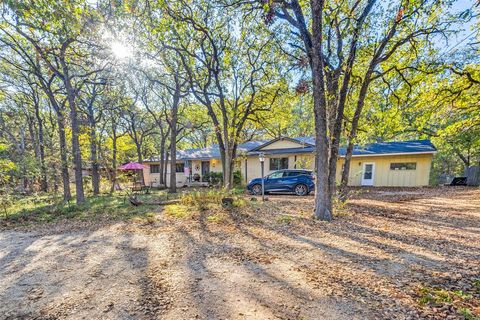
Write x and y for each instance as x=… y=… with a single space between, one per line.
x=390 y=255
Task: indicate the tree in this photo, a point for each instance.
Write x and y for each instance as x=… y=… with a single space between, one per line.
x=330 y=35
x=55 y=30
x=230 y=73
x=24 y=60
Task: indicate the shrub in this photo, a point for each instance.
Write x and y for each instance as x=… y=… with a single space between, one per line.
x=177 y=210
x=285 y=218
x=6 y=201
x=201 y=199
x=237 y=178
x=215 y=178
x=204 y=200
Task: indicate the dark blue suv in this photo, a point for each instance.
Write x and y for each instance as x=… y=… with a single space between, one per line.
x=300 y=182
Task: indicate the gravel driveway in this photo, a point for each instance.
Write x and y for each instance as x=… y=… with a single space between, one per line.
x=262 y=262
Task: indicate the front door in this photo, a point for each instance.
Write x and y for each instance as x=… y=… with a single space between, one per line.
x=368 y=174
x=205 y=168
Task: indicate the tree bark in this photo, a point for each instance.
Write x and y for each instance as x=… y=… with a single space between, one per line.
x=138 y=148
x=323 y=196
x=24 y=185
x=77 y=155
x=162 y=163
x=353 y=134
x=165 y=169
x=93 y=149
x=33 y=138
x=114 y=161
x=67 y=195
x=173 y=139
x=41 y=143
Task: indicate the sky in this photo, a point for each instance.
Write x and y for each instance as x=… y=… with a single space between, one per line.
x=469 y=31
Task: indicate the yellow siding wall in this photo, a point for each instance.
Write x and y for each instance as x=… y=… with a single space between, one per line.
x=152 y=179
x=196 y=167
x=383 y=176
x=254 y=167
x=146 y=175
x=215 y=166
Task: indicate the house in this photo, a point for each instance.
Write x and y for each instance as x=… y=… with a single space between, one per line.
x=403 y=163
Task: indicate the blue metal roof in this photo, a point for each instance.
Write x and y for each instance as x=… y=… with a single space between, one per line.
x=308 y=140
x=213 y=152
x=414 y=146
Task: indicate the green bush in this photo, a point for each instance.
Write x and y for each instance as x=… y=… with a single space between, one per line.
x=213 y=177
x=237 y=178
x=6 y=201
x=216 y=178
x=204 y=200
x=201 y=200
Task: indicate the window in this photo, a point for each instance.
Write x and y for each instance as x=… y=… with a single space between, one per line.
x=278 y=163
x=403 y=166
x=180 y=167
x=154 y=168
x=275 y=175
x=298 y=173
x=293 y=173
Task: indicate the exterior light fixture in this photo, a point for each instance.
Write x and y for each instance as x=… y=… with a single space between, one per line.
x=261 y=157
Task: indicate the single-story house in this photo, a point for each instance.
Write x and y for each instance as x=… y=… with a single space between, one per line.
x=401 y=163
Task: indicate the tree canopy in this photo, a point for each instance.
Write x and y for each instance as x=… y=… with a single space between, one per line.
x=94 y=84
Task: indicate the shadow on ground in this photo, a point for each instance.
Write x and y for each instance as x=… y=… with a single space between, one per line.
x=262 y=261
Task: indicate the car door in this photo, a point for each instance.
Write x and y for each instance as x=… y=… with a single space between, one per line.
x=291 y=179
x=274 y=181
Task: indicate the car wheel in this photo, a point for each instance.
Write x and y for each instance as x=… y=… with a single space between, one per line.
x=257 y=189
x=301 y=190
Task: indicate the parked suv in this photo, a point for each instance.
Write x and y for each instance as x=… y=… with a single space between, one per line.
x=300 y=182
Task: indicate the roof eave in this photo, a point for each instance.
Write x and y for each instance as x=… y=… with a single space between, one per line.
x=390 y=154
x=280 y=139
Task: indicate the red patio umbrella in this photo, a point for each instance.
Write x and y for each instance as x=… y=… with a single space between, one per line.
x=133 y=166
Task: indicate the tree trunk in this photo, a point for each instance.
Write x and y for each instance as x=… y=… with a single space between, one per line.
x=93 y=151
x=173 y=155
x=165 y=169
x=353 y=135
x=41 y=143
x=34 y=139
x=173 y=138
x=162 y=163
x=226 y=167
x=67 y=195
x=24 y=185
x=95 y=173
x=114 y=161
x=346 y=170
x=323 y=195
x=173 y=161
x=77 y=155
x=138 y=147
